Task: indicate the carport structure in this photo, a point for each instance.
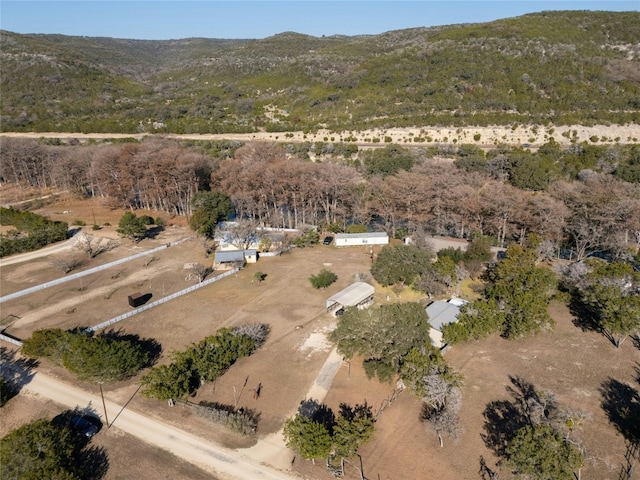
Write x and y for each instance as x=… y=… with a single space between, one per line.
x=359 y=294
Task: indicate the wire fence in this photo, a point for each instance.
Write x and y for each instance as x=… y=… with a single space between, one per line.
x=144 y=308
x=90 y=271
x=16 y=341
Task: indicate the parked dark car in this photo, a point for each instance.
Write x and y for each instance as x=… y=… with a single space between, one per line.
x=327 y=240
x=85 y=425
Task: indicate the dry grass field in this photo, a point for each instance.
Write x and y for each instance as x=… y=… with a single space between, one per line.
x=571 y=363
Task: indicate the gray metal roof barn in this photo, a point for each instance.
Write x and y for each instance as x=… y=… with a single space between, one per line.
x=357 y=294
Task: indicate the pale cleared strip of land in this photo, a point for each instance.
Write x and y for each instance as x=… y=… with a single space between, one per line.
x=517 y=134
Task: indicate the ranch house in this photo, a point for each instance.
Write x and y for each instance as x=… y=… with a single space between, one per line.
x=441 y=313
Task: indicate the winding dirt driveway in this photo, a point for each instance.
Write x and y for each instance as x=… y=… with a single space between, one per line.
x=210 y=457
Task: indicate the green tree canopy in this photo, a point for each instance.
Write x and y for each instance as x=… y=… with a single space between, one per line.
x=132 y=227
x=39 y=450
x=515 y=299
x=479 y=249
x=100 y=358
x=310 y=439
x=400 y=264
x=383 y=335
x=540 y=453
x=104 y=359
x=354 y=427
x=207 y=360
x=388 y=160
x=208 y=209
x=323 y=279
x=612 y=299
x=172 y=381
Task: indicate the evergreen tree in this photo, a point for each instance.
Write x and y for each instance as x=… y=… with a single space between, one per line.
x=310 y=439
x=323 y=279
x=39 y=450
x=132 y=227
x=540 y=453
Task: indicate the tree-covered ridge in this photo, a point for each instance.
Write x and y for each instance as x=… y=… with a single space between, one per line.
x=559 y=67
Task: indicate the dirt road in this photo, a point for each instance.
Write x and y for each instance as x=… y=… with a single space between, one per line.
x=225 y=463
x=43 y=252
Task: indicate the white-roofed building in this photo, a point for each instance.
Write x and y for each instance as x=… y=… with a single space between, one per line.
x=441 y=313
x=368 y=238
x=359 y=294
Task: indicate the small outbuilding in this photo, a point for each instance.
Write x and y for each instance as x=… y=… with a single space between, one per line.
x=441 y=313
x=359 y=294
x=368 y=238
x=228 y=259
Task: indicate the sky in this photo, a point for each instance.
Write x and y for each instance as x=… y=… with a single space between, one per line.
x=164 y=20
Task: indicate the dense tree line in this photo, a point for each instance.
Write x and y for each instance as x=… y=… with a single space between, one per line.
x=107 y=357
x=204 y=361
x=581 y=203
x=31 y=231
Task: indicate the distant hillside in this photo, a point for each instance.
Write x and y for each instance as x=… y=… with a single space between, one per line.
x=552 y=67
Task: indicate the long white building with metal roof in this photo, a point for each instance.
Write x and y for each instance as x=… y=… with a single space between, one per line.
x=359 y=294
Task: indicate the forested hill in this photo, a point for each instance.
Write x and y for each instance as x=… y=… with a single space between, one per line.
x=572 y=67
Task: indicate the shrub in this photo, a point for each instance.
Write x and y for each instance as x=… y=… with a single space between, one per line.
x=323 y=279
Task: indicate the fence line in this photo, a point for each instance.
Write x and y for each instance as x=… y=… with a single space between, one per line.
x=277 y=253
x=9 y=339
x=84 y=273
x=124 y=316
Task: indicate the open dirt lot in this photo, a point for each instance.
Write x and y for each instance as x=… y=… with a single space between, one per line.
x=571 y=363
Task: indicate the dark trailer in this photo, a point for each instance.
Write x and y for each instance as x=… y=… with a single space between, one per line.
x=137 y=299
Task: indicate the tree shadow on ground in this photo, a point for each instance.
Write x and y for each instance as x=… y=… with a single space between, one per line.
x=621 y=403
x=318 y=412
x=583 y=317
x=149 y=345
x=153 y=232
x=503 y=418
x=16 y=371
x=92 y=461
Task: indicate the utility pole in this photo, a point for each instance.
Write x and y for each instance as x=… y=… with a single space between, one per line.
x=104 y=405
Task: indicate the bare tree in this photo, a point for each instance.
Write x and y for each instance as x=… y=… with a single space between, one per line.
x=201 y=271
x=443 y=417
x=256 y=331
x=243 y=233
x=68 y=263
x=94 y=246
x=442 y=401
